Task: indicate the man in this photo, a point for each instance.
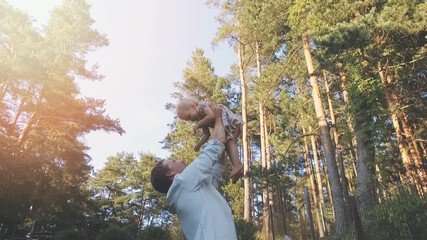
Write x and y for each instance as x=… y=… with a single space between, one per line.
x=192 y=190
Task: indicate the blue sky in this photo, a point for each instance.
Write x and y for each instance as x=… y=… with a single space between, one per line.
x=150 y=44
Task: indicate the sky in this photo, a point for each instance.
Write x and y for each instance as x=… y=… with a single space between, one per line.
x=150 y=45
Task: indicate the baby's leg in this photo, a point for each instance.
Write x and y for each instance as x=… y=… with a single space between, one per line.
x=233 y=154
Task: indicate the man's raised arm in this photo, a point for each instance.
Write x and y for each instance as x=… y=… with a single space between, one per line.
x=218 y=132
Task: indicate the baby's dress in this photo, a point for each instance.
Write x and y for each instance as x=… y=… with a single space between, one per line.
x=230 y=120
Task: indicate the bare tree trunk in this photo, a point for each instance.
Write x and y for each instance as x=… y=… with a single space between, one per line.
x=336 y=188
x=3 y=89
x=282 y=206
x=312 y=186
x=365 y=164
x=265 y=193
x=349 y=123
x=245 y=139
x=141 y=218
x=418 y=175
x=415 y=152
x=338 y=147
x=409 y=133
x=317 y=167
x=23 y=136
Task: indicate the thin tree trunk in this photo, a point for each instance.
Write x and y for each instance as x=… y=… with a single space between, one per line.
x=245 y=138
x=140 y=218
x=417 y=176
x=3 y=89
x=317 y=170
x=349 y=124
x=312 y=186
x=338 y=147
x=23 y=136
x=336 y=188
x=415 y=152
x=265 y=193
x=268 y=161
x=282 y=205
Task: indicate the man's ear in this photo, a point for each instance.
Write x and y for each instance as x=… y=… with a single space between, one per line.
x=170 y=176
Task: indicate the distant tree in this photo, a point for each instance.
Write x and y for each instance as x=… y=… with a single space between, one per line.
x=114 y=189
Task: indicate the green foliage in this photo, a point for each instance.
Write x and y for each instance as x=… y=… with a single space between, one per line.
x=234 y=193
x=115 y=187
x=246 y=230
x=200 y=81
x=114 y=232
x=71 y=234
x=403 y=216
x=154 y=232
x=175 y=229
x=122 y=191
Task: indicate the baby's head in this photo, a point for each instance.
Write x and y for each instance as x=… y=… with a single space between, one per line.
x=186 y=110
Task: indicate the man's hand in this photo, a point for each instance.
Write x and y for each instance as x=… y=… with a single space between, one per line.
x=217 y=110
x=218 y=132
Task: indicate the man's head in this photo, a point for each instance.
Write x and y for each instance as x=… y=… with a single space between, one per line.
x=163 y=173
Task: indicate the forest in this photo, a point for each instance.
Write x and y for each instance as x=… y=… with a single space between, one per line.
x=334 y=99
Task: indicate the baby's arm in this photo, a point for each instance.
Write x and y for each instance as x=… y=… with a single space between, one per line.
x=204 y=124
x=207 y=121
x=203 y=139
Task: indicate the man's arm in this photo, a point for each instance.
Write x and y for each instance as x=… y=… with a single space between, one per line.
x=218 y=132
x=201 y=168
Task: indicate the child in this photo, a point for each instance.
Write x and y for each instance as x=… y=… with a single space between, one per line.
x=201 y=113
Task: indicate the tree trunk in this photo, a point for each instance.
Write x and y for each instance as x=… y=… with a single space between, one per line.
x=336 y=189
x=245 y=139
x=312 y=186
x=415 y=152
x=264 y=161
x=23 y=136
x=417 y=176
x=3 y=89
x=140 y=219
x=317 y=167
x=349 y=123
x=338 y=148
x=365 y=164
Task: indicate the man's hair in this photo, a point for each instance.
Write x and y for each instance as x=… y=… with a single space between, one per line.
x=159 y=180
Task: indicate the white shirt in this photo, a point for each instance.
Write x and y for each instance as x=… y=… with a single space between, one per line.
x=203 y=212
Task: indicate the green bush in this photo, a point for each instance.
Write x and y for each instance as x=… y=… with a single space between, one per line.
x=114 y=232
x=71 y=234
x=402 y=217
x=246 y=230
x=154 y=232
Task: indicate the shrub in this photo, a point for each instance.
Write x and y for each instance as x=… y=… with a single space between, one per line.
x=246 y=230
x=154 y=232
x=114 y=232
x=71 y=234
x=402 y=217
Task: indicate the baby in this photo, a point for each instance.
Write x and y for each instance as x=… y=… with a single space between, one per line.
x=201 y=113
